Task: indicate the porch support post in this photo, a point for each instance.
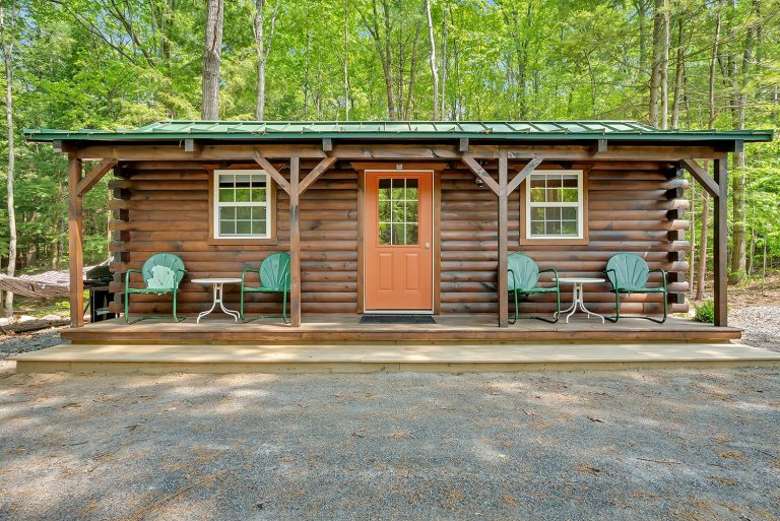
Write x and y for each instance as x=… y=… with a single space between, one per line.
x=721 y=239
x=75 y=252
x=503 y=220
x=295 y=243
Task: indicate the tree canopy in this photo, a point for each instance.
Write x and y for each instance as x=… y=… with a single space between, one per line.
x=124 y=63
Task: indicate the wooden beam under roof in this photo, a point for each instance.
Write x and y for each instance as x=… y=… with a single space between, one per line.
x=273 y=172
x=94 y=176
x=701 y=175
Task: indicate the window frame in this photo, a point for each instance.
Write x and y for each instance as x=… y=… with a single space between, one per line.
x=215 y=205
x=582 y=210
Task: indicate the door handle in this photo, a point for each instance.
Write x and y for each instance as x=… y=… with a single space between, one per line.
x=427 y=245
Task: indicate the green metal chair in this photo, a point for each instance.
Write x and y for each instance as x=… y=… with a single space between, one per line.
x=523 y=274
x=628 y=273
x=273 y=275
x=162 y=273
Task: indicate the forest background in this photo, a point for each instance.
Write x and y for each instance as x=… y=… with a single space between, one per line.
x=688 y=64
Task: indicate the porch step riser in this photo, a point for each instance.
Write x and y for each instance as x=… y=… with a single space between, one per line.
x=368 y=358
x=363 y=337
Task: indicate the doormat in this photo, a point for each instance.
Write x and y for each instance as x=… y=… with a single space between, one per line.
x=397 y=319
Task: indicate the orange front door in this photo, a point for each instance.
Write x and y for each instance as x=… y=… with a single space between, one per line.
x=397 y=241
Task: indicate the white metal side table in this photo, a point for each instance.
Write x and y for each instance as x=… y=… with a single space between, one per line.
x=218 y=285
x=578 y=300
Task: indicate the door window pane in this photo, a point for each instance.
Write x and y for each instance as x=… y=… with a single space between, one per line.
x=398 y=211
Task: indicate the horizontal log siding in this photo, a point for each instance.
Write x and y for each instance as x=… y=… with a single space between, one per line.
x=629 y=210
x=630 y=205
x=168 y=212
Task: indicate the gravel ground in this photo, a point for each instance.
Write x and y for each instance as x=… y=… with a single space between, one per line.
x=12 y=344
x=761 y=325
x=680 y=445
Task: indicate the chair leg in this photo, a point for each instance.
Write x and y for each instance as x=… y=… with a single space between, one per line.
x=241 y=306
x=175 y=318
x=284 y=307
x=617 y=309
x=517 y=314
x=127 y=306
x=557 y=315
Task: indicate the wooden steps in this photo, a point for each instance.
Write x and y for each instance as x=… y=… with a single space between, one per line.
x=341 y=358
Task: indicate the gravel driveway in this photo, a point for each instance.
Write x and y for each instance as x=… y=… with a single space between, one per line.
x=681 y=445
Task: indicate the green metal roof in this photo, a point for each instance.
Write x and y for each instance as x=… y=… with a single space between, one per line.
x=397 y=130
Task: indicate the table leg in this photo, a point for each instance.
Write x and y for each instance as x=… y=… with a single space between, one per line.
x=589 y=312
x=213 y=305
x=575 y=300
x=574 y=295
x=226 y=311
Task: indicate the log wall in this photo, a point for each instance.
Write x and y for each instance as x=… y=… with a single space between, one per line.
x=633 y=207
x=164 y=208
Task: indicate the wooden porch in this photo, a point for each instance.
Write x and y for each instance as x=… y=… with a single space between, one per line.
x=346 y=328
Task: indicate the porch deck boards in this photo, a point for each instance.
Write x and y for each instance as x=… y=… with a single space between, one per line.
x=323 y=329
x=387 y=357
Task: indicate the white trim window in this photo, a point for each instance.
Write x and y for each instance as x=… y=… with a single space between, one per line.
x=242 y=204
x=554 y=205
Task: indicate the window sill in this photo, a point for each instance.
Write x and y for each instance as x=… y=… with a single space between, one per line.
x=272 y=241
x=554 y=242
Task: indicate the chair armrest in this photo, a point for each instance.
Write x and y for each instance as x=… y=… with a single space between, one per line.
x=127 y=276
x=555 y=272
x=178 y=280
x=247 y=269
x=606 y=275
x=663 y=277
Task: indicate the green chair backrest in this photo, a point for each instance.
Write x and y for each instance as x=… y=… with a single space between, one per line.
x=275 y=272
x=630 y=271
x=163 y=271
x=525 y=270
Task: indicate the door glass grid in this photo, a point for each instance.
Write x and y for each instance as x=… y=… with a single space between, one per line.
x=399 y=203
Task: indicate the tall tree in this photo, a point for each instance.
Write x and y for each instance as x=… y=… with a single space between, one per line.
x=263 y=43
x=665 y=65
x=432 y=59
x=345 y=61
x=713 y=66
x=738 y=266
x=7 y=21
x=212 y=56
x=656 y=65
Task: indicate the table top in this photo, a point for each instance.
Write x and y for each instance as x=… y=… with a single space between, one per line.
x=580 y=280
x=217 y=280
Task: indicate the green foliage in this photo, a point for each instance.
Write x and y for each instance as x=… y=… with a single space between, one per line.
x=705 y=312
x=109 y=64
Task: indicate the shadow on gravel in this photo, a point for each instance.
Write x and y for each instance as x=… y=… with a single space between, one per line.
x=632 y=445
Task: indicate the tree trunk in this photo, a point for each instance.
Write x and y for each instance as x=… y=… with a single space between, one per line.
x=346 y=61
x=713 y=63
x=211 y=61
x=738 y=253
x=657 y=63
x=705 y=224
x=7 y=44
x=444 y=65
x=432 y=58
x=679 y=70
x=641 y=12
x=665 y=67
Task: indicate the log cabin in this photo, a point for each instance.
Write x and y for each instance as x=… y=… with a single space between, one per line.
x=469 y=194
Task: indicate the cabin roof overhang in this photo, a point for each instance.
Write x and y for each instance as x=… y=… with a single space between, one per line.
x=483 y=132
